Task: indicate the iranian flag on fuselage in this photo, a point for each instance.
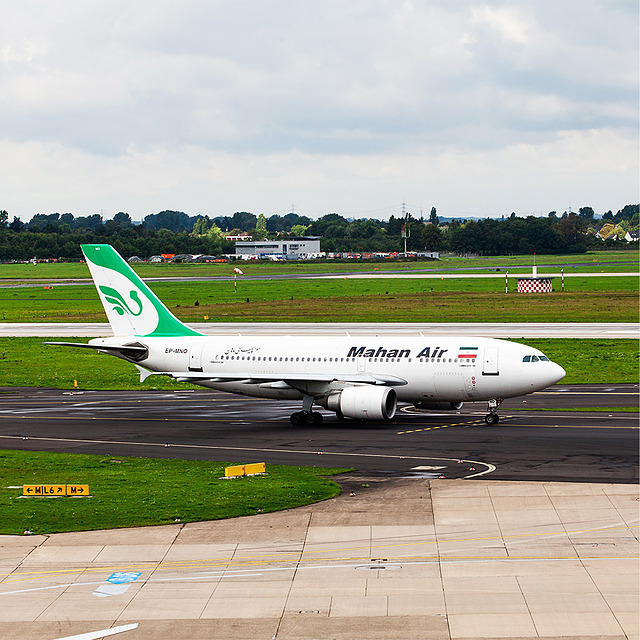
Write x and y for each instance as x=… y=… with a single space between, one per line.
x=468 y=353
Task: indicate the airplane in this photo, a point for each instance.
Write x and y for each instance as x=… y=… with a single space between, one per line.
x=361 y=377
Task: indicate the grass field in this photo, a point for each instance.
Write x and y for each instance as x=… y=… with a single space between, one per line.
x=591 y=261
x=29 y=363
x=588 y=299
x=132 y=492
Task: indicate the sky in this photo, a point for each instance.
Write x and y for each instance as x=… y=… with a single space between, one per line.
x=318 y=106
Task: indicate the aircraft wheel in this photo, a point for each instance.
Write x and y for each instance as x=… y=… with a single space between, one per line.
x=492 y=418
x=296 y=418
x=317 y=417
x=309 y=418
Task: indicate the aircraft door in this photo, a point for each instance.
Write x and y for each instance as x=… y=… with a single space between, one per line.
x=362 y=364
x=195 y=356
x=490 y=363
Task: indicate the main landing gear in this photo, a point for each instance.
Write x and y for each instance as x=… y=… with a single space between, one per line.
x=306 y=416
x=492 y=417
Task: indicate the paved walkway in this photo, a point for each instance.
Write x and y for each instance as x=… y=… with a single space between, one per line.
x=403 y=558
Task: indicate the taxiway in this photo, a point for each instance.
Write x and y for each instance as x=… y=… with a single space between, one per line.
x=537 y=438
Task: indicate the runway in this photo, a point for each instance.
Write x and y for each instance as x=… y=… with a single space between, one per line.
x=599 y=330
x=528 y=443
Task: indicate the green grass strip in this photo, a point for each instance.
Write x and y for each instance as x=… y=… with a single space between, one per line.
x=603 y=299
x=133 y=492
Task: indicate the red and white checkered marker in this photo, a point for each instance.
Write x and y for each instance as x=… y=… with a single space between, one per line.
x=535 y=285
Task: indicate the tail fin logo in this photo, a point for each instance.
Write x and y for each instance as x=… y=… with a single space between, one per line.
x=120 y=305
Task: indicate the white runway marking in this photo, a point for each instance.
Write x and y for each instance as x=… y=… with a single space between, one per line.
x=489 y=467
x=95 y=635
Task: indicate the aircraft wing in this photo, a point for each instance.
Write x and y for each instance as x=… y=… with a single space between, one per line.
x=289 y=378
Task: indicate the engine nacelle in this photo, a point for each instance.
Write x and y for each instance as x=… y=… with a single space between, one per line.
x=364 y=403
x=438 y=406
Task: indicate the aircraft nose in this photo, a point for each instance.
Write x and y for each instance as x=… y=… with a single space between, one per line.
x=555 y=372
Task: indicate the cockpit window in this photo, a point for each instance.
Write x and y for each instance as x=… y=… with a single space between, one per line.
x=534 y=358
x=544 y=358
x=526 y=359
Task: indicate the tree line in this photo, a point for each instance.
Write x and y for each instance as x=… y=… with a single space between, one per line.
x=48 y=236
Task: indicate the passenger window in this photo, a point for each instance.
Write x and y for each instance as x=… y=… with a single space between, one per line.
x=526 y=359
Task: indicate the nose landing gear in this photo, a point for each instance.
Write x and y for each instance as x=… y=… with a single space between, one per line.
x=492 y=417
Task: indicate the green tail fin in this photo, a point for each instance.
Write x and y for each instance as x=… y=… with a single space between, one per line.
x=132 y=308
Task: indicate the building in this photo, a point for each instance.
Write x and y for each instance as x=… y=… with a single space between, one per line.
x=303 y=248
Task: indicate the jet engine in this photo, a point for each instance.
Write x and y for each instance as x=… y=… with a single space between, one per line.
x=438 y=406
x=364 y=403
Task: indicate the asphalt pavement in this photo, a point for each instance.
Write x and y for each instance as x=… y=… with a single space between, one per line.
x=537 y=439
x=600 y=330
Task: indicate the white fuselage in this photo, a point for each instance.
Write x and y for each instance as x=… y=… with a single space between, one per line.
x=435 y=369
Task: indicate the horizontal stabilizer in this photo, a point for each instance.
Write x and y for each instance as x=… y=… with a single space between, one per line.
x=133 y=352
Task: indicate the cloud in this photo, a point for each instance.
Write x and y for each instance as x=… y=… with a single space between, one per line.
x=155 y=89
x=595 y=168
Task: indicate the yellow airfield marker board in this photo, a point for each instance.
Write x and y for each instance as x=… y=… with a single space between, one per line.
x=245 y=470
x=77 y=489
x=39 y=490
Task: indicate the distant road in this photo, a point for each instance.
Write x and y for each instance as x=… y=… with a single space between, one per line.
x=483 y=329
x=16 y=283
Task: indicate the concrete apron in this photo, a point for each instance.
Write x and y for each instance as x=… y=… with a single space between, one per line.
x=402 y=558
